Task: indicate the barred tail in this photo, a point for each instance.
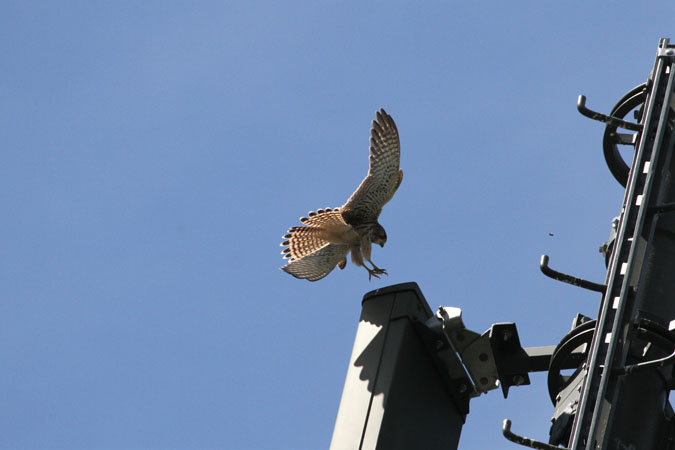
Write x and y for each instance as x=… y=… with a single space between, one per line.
x=304 y=240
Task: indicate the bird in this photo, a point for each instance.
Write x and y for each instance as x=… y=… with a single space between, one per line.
x=328 y=235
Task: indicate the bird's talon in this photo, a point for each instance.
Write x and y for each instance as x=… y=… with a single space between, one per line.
x=376 y=272
x=379 y=271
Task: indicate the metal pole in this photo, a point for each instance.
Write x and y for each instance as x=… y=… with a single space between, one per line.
x=397 y=395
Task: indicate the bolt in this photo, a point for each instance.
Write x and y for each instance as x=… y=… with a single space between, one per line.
x=439 y=344
x=506 y=335
x=483 y=380
x=518 y=380
x=483 y=357
x=463 y=388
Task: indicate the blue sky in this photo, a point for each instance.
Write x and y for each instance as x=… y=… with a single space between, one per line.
x=153 y=153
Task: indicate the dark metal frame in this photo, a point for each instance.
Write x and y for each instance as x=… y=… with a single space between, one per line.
x=618 y=310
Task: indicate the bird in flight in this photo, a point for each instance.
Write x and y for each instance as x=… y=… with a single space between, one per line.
x=328 y=235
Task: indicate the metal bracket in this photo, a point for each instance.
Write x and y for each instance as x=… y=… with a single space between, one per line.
x=546 y=270
x=581 y=106
x=527 y=442
x=665 y=49
x=511 y=360
x=657 y=331
x=492 y=359
x=473 y=348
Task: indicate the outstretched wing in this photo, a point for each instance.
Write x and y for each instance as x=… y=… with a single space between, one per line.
x=304 y=240
x=318 y=264
x=384 y=175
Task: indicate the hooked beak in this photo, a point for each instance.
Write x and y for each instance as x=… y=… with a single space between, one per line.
x=382 y=245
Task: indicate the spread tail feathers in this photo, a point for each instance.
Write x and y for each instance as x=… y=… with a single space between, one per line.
x=305 y=240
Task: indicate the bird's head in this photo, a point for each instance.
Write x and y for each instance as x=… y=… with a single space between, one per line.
x=379 y=235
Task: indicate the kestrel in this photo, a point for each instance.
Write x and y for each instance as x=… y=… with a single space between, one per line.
x=328 y=235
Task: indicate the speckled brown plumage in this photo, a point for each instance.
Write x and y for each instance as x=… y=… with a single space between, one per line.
x=328 y=235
